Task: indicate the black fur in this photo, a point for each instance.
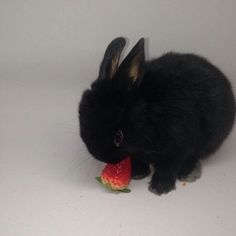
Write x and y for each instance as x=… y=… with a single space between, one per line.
x=173 y=111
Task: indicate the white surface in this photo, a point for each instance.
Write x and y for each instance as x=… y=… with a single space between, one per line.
x=49 y=53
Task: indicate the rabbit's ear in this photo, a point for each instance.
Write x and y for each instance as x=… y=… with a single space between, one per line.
x=111 y=58
x=133 y=66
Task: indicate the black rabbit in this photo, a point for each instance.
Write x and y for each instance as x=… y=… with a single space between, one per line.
x=169 y=112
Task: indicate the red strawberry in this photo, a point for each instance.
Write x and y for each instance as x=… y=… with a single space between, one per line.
x=117 y=176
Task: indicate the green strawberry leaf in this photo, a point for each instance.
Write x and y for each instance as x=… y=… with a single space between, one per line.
x=126 y=190
x=107 y=186
x=99 y=179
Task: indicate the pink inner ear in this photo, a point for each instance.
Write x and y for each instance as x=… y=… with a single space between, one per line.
x=114 y=65
x=118 y=138
x=134 y=68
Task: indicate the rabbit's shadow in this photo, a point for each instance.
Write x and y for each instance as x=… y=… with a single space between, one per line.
x=224 y=153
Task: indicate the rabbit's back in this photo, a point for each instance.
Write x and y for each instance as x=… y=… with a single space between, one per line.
x=194 y=97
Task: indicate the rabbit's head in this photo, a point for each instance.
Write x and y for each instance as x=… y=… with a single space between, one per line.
x=109 y=110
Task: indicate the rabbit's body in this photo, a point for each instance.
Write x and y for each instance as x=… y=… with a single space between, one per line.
x=191 y=99
x=169 y=112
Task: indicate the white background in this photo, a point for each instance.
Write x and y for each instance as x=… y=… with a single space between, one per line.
x=49 y=53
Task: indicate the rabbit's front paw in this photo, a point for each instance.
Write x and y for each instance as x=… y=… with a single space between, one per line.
x=140 y=169
x=161 y=186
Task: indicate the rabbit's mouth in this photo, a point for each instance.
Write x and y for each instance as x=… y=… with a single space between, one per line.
x=116 y=158
x=112 y=158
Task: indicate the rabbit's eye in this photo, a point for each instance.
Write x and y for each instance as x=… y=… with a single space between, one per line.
x=118 y=138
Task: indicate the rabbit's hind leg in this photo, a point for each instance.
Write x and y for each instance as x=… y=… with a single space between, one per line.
x=190 y=171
